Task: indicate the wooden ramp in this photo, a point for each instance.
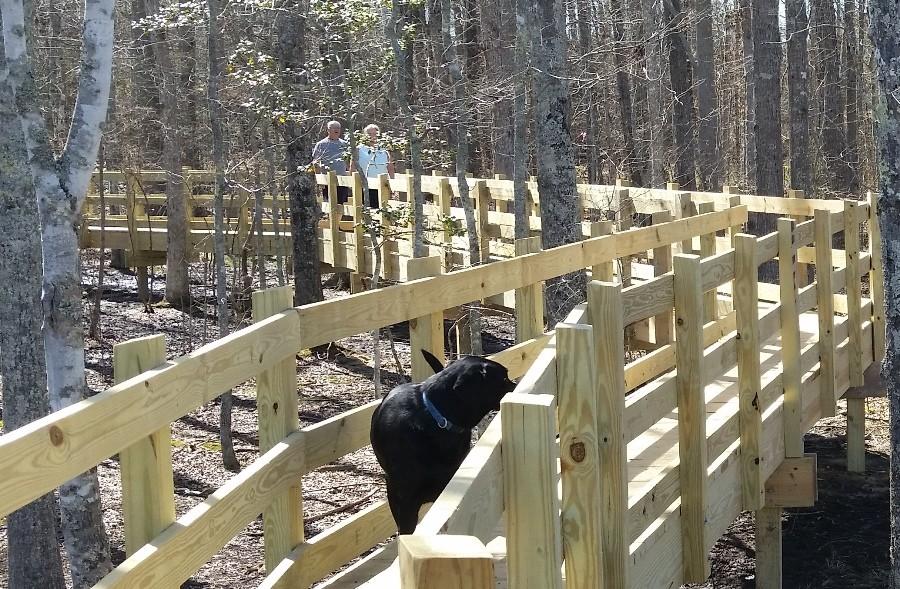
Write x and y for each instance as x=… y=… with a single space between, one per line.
x=653 y=461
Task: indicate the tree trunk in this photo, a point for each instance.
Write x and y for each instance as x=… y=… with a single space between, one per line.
x=628 y=165
x=61 y=186
x=499 y=26
x=767 y=103
x=305 y=212
x=851 y=76
x=750 y=99
x=560 y=207
x=34 y=559
x=798 y=93
x=682 y=87
x=214 y=54
x=404 y=99
x=520 y=149
x=824 y=26
x=707 y=103
x=654 y=133
x=884 y=23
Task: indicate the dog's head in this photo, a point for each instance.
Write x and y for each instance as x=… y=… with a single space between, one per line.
x=474 y=385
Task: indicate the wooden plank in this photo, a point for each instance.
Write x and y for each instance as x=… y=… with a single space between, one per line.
x=334 y=217
x=876 y=280
x=148 y=493
x=384 y=195
x=332 y=548
x=692 y=451
x=359 y=202
x=794 y=483
x=790 y=340
x=482 y=204
x=582 y=517
x=181 y=549
x=687 y=209
x=854 y=293
x=444 y=562
x=825 y=304
x=529 y=299
x=708 y=249
x=42 y=455
x=605 y=312
x=444 y=194
x=276 y=403
x=647 y=299
x=533 y=535
x=802 y=269
x=625 y=213
x=749 y=378
x=662 y=263
x=768 y=548
x=425 y=332
x=603 y=270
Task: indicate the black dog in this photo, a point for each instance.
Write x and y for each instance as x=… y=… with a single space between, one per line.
x=422 y=432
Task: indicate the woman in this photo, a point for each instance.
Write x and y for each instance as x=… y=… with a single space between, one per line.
x=373 y=160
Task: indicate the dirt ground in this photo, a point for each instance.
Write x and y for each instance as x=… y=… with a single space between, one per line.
x=841 y=542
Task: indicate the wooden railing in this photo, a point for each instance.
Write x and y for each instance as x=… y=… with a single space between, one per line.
x=746 y=454
x=133 y=417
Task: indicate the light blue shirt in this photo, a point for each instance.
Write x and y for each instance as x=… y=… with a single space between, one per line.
x=372 y=162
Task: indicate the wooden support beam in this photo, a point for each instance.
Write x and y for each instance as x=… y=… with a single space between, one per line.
x=335 y=213
x=802 y=269
x=662 y=263
x=686 y=208
x=533 y=534
x=626 y=212
x=604 y=270
x=746 y=304
x=276 y=402
x=529 y=299
x=605 y=314
x=825 y=304
x=444 y=562
x=148 y=490
x=856 y=408
x=794 y=483
x=692 y=446
x=426 y=332
x=708 y=249
x=389 y=246
x=482 y=204
x=444 y=195
x=790 y=340
x=768 y=548
x=582 y=515
x=359 y=232
x=876 y=281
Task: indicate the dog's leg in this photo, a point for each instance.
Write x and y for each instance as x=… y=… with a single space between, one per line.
x=405 y=511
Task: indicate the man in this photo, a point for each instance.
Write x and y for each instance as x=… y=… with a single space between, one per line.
x=374 y=160
x=328 y=155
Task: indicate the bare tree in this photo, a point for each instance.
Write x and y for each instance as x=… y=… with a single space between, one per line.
x=884 y=30
x=798 y=92
x=654 y=73
x=520 y=150
x=707 y=103
x=34 y=559
x=61 y=186
x=680 y=73
x=560 y=207
x=824 y=27
x=850 y=63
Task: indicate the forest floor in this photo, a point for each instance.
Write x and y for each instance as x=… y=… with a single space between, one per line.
x=841 y=542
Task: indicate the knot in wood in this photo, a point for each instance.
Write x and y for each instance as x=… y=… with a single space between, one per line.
x=56 y=436
x=577 y=451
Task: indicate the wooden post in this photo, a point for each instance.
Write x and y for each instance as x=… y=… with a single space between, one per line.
x=533 y=534
x=825 y=304
x=734 y=201
x=359 y=232
x=529 y=299
x=792 y=410
x=746 y=305
x=503 y=206
x=692 y=445
x=444 y=562
x=604 y=270
x=802 y=269
x=626 y=212
x=687 y=209
x=388 y=269
x=482 y=206
x=708 y=249
x=605 y=312
x=768 y=548
x=582 y=517
x=876 y=281
x=334 y=218
x=426 y=332
x=443 y=201
x=148 y=491
x=856 y=408
x=662 y=263
x=276 y=402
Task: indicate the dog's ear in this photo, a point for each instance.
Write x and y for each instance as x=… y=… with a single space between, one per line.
x=432 y=361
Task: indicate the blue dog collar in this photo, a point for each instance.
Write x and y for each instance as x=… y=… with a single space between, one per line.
x=441 y=421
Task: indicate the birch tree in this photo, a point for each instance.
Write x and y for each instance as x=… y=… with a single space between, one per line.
x=34 y=559
x=61 y=185
x=884 y=29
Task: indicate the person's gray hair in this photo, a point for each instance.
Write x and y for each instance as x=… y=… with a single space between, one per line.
x=372 y=126
x=334 y=124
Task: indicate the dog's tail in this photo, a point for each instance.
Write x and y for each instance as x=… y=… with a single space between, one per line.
x=435 y=364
